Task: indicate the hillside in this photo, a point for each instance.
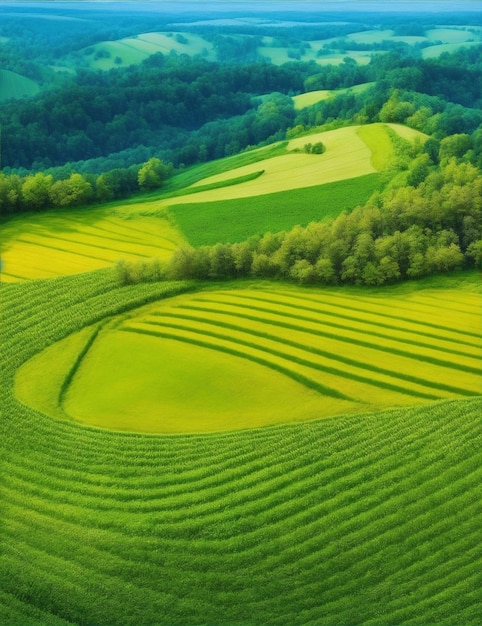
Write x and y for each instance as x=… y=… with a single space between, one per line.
x=14 y=86
x=64 y=242
x=337 y=520
x=240 y=313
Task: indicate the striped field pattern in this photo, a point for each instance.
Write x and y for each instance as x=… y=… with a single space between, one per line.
x=220 y=353
x=59 y=242
x=366 y=519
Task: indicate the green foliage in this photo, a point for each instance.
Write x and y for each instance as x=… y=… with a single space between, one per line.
x=405 y=232
x=317 y=148
x=152 y=174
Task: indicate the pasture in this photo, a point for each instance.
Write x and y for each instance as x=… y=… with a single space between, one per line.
x=437 y=40
x=52 y=243
x=14 y=85
x=294 y=187
x=206 y=204
x=338 y=520
x=227 y=221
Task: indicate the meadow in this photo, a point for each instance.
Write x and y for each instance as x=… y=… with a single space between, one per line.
x=337 y=520
x=108 y=54
x=13 y=85
x=312 y=97
x=52 y=243
x=436 y=41
x=206 y=204
x=133 y=50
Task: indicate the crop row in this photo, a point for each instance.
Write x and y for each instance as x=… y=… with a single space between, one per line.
x=330 y=521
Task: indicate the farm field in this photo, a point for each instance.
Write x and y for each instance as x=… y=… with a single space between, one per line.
x=59 y=242
x=292 y=187
x=249 y=357
x=326 y=521
x=14 y=85
x=133 y=50
x=436 y=41
x=208 y=223
x=347 y=156
x=312 y=97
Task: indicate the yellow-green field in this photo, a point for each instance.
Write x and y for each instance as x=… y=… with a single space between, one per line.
x=134 y=50
x=227 y=359
x=349 y=153
x=52 y=243
x=312 y=97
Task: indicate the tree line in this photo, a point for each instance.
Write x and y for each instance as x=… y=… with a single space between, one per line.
x=39 y=191
x=405 y=232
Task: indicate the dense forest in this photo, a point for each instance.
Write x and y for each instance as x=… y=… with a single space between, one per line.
x=185 y=110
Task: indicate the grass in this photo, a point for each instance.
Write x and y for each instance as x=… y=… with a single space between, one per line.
x=238 y=219
x=53 y=243
x=312 y=97
x=435 y=51
x=208 y=203
x=294 y=178
x=134 y=50
x=14 y=85
x=369 y=519
x=223 y=360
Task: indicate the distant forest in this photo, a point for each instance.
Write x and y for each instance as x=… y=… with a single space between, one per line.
x=93 y=136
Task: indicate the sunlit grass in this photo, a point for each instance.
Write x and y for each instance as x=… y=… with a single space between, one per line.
x=321 y=522
x=230 y=359
x=59 y=242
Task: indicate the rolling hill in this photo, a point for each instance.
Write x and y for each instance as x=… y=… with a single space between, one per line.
x=369 y=518
x=290 y=188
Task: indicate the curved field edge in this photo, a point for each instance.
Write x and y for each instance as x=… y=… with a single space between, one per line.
x=371 y=519
x=226 y=359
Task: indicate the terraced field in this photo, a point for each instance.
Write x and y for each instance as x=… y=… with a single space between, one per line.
x=370 y=519
x=58 y=242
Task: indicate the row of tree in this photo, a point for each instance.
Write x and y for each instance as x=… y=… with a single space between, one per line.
x=405 y=232
x=39 y=191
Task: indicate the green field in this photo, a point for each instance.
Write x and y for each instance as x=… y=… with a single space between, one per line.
x=225 y=215
x=437 y=41
x=436 y=50
x=208 y=223
x=133 y=50
x=250 y=357
x=206 y=204
x=372 y=518
x=14 y=85
x=312 y=97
